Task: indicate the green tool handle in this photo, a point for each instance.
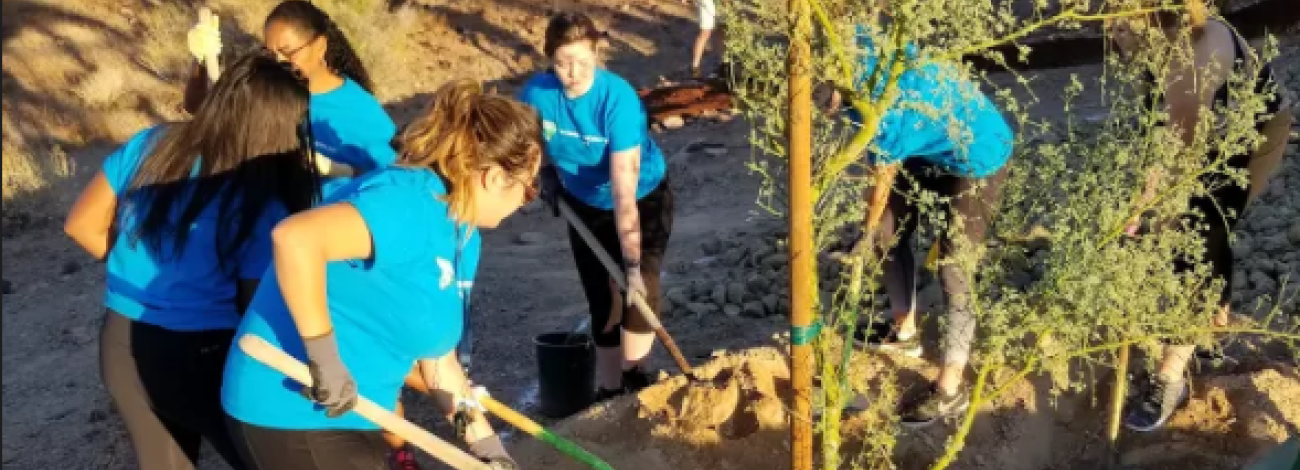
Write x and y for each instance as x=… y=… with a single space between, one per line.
x=531 y=428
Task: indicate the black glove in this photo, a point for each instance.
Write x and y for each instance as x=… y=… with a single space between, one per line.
x=331 y=384
x=492 y=452
x=549 y=182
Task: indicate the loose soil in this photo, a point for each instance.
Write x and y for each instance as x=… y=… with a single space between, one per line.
x=56 y=413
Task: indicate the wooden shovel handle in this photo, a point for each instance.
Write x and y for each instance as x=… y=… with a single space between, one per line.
x=276 y=359
x=617 y=275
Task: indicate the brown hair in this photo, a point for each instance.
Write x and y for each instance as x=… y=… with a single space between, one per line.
x=568 y=28
x=463 y=131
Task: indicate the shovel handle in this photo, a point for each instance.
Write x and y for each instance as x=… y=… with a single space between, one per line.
x=210 y=62
x=617 y=274
x=290 y=366
x=535 y=430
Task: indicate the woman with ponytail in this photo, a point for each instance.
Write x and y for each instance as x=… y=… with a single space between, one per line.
x=181 y=216
x=376 y=281
x=353 y=132
x=1192 y=87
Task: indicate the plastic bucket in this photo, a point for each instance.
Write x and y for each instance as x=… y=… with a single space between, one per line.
x=565 y=373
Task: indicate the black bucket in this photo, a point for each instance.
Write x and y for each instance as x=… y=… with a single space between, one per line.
x=565 y=373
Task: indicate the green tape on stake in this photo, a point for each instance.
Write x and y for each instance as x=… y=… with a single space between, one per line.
x=804 y=335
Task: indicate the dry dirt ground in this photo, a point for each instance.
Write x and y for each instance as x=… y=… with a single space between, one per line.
x=82 y=76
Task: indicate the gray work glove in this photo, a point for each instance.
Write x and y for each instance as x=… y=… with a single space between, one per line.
x=332 y=385
x=491 y=451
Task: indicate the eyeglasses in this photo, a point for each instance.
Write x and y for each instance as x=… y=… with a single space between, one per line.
x=288 y=54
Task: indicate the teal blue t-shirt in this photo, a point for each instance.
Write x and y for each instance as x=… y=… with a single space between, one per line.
x=403 y=304
x=185 y=291
x=352 y=128
x=582 y=133
x=940 y=117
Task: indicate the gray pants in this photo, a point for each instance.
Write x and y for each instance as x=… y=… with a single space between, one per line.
x=972 y=201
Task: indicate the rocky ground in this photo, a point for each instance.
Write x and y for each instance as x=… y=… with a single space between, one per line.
x=723 y=281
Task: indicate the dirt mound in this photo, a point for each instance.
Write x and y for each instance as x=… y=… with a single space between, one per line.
x=734 y=418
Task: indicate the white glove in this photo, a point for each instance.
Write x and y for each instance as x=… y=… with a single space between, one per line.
x=204 y=39
x=472 y=400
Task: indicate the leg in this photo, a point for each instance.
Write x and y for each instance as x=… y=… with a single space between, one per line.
x=1267 y=159
x=159 y=445
x=182 y=372
x=601 y=295
x=707 y=12
x=277 y=449
x=656 y=213
x=897 y=227
x=974 y=207
x=401 y=456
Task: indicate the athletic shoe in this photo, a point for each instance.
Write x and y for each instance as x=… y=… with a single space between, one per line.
x=884 y=337
x=1155 y=403
x=403 y=460
x=637 y=378
x=932 y=406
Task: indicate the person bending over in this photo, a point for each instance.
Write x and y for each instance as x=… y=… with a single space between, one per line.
x=374 y=282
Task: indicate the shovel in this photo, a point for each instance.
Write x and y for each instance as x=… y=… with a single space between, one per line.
x=273 y=357
x=617 y=274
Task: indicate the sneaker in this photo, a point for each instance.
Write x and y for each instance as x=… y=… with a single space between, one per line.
x=932 y=406
x=1155 y=403
x=637 y=378
x=883 y=336
x=403 y=460
x=603 y=394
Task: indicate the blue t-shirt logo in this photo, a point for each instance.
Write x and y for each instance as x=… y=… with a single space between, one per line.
x=548 y=130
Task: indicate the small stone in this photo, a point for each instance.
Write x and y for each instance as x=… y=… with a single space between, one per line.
x=530 y=238
x=735 y=292
x=783 y=306
x=719 y=294
x=715 y=151
x=711 y=247
x=699 y=308
x=96 y=416
x=733 y=256
x=678 y=296
x=673 y=122
x=771 y=304
x=70 y=268
x=754 y=310
x=701 y=289
x=774 y=260
x=1294 y=234
x=732 y=310
x=80 y=334
x=6 y=286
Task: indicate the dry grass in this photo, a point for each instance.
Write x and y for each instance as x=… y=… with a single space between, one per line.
x=80 y=72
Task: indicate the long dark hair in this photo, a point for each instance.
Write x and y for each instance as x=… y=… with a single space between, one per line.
x=339 y=54
x=248 y=146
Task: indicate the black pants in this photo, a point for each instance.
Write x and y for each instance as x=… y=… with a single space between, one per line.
x=656 y=213
x=972 y=201
x=1218 y=214
x=284 y=449
x=166 y=385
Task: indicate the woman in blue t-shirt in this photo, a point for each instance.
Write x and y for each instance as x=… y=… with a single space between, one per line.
x=950 y=139
x=185 y=239
x=605 y=165
x=376 y=281
x=351 y=127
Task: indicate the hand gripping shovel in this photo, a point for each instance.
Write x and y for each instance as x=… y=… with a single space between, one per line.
x=617 y=274
x=535 y=430
x=276 y=359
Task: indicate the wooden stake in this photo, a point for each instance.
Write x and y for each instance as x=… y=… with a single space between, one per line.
x=803 y=291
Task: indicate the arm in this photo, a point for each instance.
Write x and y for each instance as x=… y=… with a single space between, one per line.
x=303 y=244
x=447 y=385
x=196 y=88
x=90 y=221
x=624 y=173
x=1188 y=90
